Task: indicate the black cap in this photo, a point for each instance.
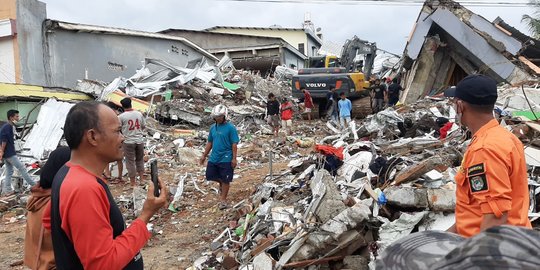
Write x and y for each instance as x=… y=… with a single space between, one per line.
x=475 y=89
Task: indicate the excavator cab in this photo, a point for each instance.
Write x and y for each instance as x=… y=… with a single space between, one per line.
x=327 y=61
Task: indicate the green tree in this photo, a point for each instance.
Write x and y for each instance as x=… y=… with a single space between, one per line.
x=533 y=22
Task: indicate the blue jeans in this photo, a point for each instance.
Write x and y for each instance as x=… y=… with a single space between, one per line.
x=9 y=163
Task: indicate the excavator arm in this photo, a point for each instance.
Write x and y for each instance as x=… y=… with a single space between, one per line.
x=352 y=48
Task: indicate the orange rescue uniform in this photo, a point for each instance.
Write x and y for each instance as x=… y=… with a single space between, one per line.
x=492 y=179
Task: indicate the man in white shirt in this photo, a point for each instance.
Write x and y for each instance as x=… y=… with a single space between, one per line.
x=133 y=124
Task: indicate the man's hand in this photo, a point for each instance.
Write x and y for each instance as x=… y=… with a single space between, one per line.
x=153 y=204
x=202 y=160
x=234 y=162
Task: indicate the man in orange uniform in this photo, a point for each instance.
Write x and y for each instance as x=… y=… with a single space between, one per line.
x=492 y=180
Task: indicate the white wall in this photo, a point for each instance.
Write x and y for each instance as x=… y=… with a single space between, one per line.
x=7 y=61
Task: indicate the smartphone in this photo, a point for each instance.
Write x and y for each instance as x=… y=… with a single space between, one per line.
x=154 y=173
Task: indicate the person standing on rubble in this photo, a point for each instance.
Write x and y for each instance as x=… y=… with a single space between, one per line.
x=286 y=116
x=133 y=124
x=491 y=184
x=331 y=105
x=8 y=154
x=345 y=108
x=378 y=93
x=272 y=113
x=88 y=229
x=393 y=92
x=308 y=103
x=222 y=141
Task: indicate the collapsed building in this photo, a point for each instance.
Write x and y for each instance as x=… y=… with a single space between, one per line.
x=449 y=42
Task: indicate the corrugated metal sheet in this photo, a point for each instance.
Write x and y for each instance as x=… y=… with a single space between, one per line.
x=48 y=130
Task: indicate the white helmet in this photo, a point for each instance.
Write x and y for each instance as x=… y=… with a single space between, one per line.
x=220 y=110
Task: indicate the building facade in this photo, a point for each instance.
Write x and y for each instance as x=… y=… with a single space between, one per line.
x=247 y=52
x=304 y=40
x=51 y=53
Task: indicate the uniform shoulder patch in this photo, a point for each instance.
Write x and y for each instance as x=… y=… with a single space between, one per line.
x=478 y=183
x=476 y=169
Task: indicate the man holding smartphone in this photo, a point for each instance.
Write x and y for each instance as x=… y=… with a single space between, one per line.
x=87 y=227
x=222 y=141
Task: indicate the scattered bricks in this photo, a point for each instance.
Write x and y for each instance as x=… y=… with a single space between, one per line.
x=229 y=262
x=407 y=197
x=355 y=262
x=441 y=199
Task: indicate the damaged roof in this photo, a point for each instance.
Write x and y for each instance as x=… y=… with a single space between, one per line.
x=54 y=24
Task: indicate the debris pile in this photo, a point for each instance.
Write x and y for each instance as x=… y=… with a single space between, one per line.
x=347 y=193
x=358 y=191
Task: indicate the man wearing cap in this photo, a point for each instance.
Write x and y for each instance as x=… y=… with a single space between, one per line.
x=222 y=142
x=492 y=180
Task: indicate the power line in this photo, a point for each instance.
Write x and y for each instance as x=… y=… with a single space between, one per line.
x=385 y=2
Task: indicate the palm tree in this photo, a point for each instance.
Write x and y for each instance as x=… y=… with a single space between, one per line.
x=533 y=22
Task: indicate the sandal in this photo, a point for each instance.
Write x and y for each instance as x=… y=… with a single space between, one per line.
x=223 y=206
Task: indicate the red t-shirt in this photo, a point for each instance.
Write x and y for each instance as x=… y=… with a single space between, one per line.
x=308 y=101
x=286 y=111
x=84 y=209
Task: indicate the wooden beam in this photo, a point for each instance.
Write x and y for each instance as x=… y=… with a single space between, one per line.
x=530 y=64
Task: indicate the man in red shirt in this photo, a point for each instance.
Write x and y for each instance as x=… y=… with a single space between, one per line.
x=286 y=116
x=308 y=102
x=87 y=227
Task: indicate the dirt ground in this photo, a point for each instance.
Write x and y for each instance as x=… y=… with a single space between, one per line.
x=179 y=238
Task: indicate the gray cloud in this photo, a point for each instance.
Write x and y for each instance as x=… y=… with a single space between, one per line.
x=387 y=25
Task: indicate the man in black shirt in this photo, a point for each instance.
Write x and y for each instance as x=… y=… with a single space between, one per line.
x=393 y=92
x=272 y=113
x=378 y=92
x=8 y=154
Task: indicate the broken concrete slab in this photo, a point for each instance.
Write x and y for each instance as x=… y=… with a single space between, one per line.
x=349 y=218
x=263 y=262
x=188 y=156
x=441 y=199
x=399 y=228
x=355 y=262
x=407 y=197
x=331 y=203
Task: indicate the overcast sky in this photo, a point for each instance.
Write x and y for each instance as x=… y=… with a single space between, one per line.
x=387 y=24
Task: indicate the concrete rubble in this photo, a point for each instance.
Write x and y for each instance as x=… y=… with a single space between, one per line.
x=345 y=195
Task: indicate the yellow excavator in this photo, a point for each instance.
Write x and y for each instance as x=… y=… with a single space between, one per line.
x=347 y=74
